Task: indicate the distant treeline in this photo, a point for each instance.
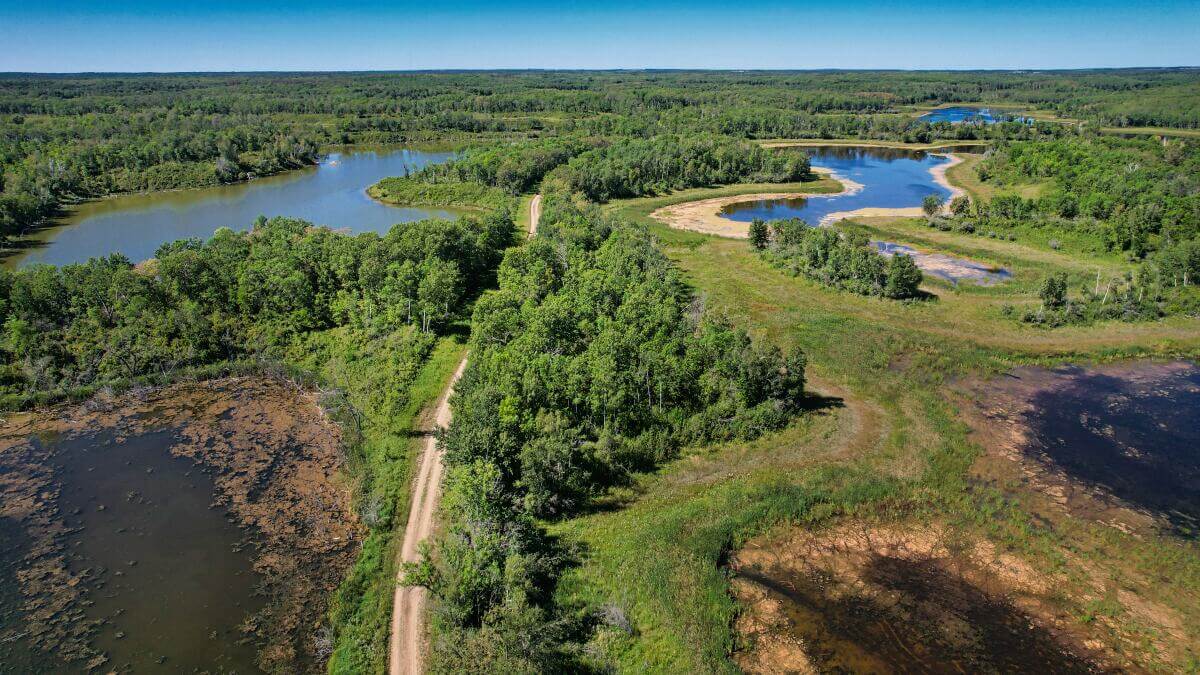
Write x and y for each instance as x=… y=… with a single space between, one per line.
x=598 y=169
x=70 y=137
x=635 y=167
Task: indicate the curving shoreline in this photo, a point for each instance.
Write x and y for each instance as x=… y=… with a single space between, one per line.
x=939 y=176
x=704 y=215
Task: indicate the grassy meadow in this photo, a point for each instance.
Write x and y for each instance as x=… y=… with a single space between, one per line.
x=883 y=443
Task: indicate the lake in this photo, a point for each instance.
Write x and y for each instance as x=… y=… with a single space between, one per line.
x=890 y=178
x=958 y=114
x=332 y=193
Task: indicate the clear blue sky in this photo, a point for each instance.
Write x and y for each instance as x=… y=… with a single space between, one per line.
x=175 y=35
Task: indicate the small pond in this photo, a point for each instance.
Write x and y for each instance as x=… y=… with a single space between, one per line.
x=192 y=528
x=1131 y=431
x=959 y=114
x=889 y=178
x=947 y=267
x=166 y=577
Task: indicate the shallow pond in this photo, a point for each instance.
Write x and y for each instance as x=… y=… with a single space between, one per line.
x=197 y=528
x=889 y=178
x=166 y=575
x=1131 y=431
x=947 y=267
x=332 y=193
x=866 y=599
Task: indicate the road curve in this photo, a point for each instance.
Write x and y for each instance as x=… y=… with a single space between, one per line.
x=408 y=604
x=409 y=601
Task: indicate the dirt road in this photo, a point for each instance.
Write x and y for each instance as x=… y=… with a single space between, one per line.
x=409 y=603
x=408 y=606
x=535 y=214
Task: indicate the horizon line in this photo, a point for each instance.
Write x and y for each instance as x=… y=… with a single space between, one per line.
x=646 y=69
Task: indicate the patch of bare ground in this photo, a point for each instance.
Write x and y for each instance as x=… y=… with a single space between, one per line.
x=277 y=465
x=860 y=598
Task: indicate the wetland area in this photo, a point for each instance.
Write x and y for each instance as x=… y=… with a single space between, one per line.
x=1116 y=445
x=195 y=527
x=877 y=181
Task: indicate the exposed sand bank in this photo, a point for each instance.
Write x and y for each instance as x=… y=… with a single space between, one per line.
x=703 y=215
x=939 y=176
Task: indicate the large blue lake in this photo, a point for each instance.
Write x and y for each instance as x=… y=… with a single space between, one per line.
x=332 y=194
x=890 y=178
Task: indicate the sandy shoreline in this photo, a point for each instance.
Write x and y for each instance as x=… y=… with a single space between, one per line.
x=939 y=176
x=704 y=215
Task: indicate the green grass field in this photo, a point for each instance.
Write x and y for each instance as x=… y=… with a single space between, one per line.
x=883 y=444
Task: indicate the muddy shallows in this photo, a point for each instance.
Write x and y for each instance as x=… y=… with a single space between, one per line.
x=1118 y=443
x=194 y=528
x=884 y=601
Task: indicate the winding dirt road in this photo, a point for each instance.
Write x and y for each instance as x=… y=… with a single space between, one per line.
x=408 y=605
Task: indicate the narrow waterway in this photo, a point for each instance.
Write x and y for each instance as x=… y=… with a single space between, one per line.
x=332 y=193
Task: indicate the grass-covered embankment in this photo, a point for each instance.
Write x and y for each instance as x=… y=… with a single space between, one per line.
x=392 y=385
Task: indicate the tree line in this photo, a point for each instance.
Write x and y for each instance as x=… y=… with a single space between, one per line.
x=64 y=138
x=1139 y=198
x=237 y=295
x=638 y=167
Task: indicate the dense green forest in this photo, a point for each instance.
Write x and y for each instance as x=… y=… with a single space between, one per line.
x=598 y=170
x=235 y=296
x=591 y=361
x=70 y=137
x=633 y=168
x=359 y=316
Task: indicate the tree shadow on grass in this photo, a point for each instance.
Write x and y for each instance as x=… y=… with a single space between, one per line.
x=911 y=615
